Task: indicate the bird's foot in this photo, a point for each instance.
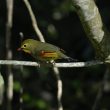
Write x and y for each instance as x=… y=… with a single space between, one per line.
x=51 y=63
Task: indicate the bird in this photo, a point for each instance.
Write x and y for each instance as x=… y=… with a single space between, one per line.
x=42 y=51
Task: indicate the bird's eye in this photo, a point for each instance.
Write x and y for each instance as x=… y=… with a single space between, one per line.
x=24 y=45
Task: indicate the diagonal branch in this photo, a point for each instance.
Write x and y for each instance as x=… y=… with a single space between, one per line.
x=93 y=26
x=34 y=21
x=38 y=32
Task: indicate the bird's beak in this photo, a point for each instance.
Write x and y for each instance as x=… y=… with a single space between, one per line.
x=19 y=49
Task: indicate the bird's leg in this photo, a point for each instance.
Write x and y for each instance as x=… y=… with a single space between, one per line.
x=52 y=62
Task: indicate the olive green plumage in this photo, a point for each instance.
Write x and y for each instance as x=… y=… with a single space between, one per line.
x=42 y=51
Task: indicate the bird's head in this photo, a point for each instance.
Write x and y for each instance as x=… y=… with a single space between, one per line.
x=28 y=46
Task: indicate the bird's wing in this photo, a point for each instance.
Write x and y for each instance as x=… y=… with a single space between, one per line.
x=48 y=54
x=46 y=50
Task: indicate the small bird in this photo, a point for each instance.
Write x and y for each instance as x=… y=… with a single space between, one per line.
x=43 y=52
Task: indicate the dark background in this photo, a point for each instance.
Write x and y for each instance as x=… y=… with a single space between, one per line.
x=60 y=26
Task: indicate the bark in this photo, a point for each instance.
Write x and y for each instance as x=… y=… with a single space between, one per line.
x=94 y=28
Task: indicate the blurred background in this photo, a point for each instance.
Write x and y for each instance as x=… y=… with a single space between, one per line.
x=60 y=26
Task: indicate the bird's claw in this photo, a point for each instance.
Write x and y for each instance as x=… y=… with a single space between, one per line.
x=52 y=62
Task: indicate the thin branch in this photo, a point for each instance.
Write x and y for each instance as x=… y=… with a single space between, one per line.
x=59 y=85
x=9 y=4
x=1 y=88
x=60 y=65
x=34 y=21
x=21 y=91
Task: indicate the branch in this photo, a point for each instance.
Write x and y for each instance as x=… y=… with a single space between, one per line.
x=59 y=85
x=9 y=90
x=93 y=26
x=60 y=65
x=2 y=85
x=34 y=21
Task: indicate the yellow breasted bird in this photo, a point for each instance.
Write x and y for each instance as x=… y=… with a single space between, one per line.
x=42 y=51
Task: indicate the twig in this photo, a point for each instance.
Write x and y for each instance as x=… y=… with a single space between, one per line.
x=9 y=4
x=60 y=65
x=59 y=85
x=1 y=89
x=34 y=21
x=21 y=78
